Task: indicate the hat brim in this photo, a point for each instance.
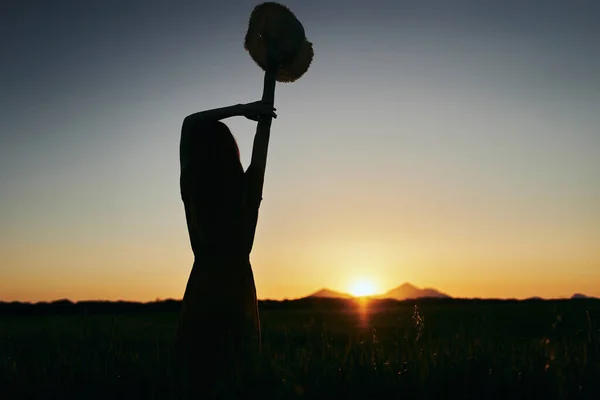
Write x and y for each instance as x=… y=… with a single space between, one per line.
x=272 y=24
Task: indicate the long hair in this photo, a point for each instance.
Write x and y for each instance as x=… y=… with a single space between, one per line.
x=215 y=185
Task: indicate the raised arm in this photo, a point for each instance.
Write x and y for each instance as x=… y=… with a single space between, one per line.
x=215 y=114
x=260 y=146
x=256 y=111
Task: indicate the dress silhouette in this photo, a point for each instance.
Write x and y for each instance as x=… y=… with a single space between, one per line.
x=218 y=336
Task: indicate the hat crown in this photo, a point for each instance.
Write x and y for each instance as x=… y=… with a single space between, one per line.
x=274 y=32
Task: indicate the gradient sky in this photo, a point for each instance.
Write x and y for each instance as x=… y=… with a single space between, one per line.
x=451 y=144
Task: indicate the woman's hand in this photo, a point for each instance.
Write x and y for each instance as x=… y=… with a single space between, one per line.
x=258 y=110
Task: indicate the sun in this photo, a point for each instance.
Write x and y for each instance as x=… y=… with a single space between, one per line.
x=362 y=288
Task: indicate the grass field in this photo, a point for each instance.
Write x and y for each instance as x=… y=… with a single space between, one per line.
x=325 y=349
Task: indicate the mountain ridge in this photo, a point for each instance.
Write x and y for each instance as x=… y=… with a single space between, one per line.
x=406 y=291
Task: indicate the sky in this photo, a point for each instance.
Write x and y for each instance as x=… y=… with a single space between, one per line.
x=452 y=145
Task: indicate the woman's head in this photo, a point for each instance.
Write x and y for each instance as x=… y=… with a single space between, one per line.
x=210 y=146
x=213 y=144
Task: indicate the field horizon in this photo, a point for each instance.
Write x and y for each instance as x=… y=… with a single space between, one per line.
x=65 y=306
x=404 y=292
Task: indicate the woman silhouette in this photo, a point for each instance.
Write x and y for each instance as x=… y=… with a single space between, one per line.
x=219 y=325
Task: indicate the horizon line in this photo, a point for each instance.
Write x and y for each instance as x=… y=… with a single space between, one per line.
x=575 y=296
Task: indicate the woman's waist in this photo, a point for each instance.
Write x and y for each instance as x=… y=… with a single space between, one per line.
x=222 y=272
x=222 y=258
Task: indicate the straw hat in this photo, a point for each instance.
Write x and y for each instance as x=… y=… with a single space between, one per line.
x=275 y=33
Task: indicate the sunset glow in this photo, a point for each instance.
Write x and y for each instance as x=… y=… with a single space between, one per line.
x=363 y=288
x=440 y=144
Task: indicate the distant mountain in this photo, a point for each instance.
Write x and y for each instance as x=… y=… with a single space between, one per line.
x=581 y=296
x=403 y=292
x=408 y=291
x=330 y=294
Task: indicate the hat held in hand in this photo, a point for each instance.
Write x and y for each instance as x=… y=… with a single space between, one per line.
x=275 y=36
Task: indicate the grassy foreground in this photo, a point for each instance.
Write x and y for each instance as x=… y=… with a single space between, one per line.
x=324 y=349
